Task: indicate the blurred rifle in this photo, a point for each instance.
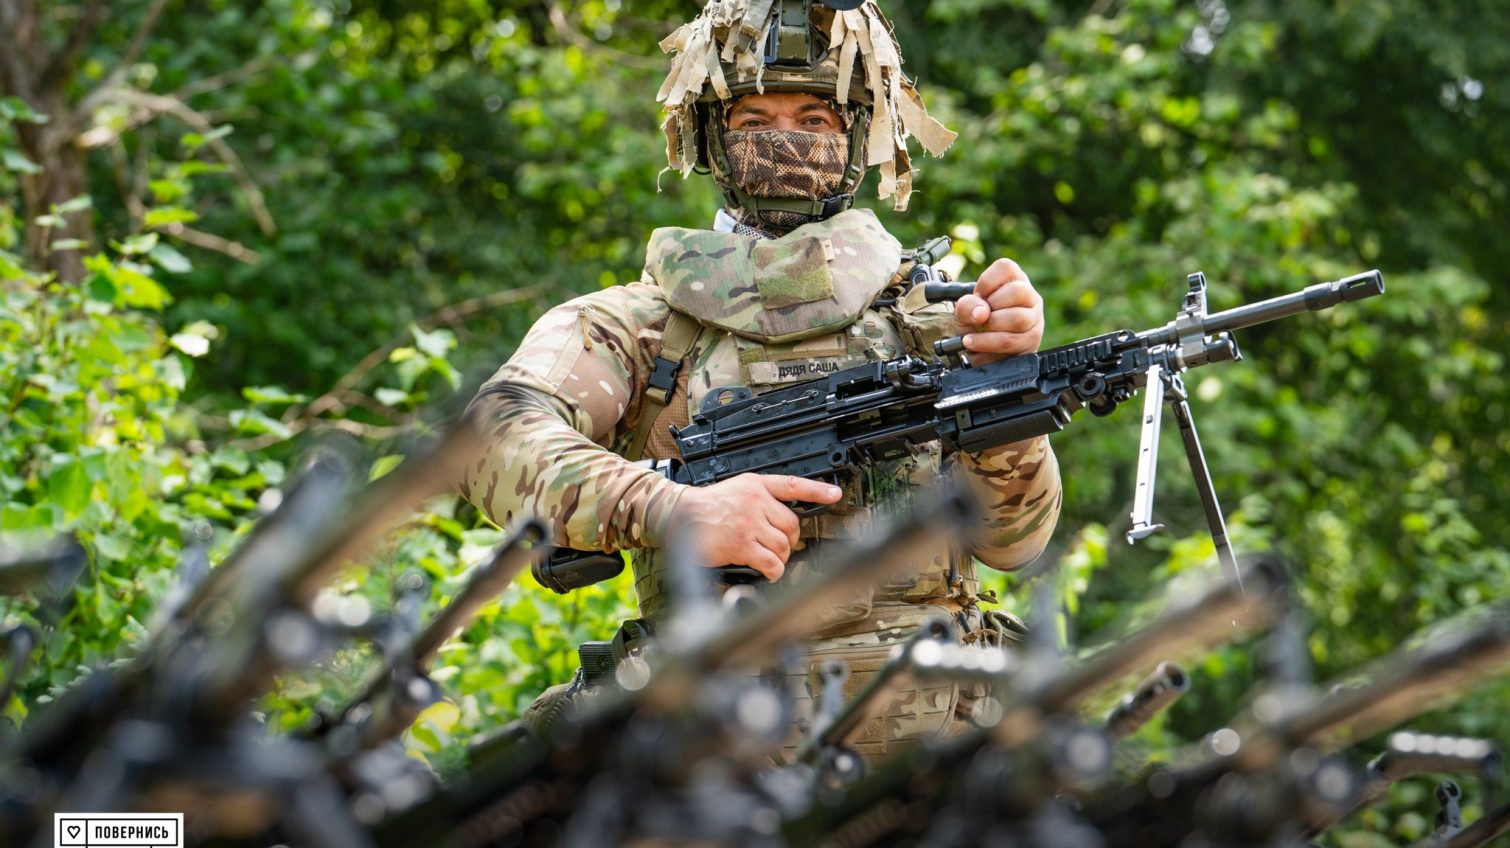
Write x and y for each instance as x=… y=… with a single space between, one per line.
x=630 y=762
x=1030 y=745
x=831 y=429
x=1410 y=754
x=49 y=572
x=182 y=704
x=1270 y=775
x=401 y=688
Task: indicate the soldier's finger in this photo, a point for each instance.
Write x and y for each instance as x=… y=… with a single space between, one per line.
x=1015 y=319
x=786 y=521
x=788 y=487
x=1014 y=293
x=765 y=561
x=1009 y=343
x=971 y=310
x=1001 y=272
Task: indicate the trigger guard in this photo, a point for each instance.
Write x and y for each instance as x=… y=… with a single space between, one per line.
x=802 y=509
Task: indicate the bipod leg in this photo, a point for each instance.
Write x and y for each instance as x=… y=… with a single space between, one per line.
x=1175 y=396
x=1154 y=390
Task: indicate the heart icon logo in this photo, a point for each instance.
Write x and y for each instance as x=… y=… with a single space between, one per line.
x=73 y=831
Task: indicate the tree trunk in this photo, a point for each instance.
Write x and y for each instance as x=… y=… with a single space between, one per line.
x=53 y=147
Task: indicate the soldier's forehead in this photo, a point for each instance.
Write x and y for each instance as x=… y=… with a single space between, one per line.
x=776 y=100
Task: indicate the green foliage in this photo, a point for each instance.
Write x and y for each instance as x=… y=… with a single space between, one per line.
x=96 y=441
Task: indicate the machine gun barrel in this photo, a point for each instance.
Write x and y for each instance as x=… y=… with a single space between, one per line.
x=272 y=627
x=51 y=570
x=1484 y=830
x=1310 y=299
x=403 y=676
x=1409 y=685
x=1409 y=754
x=881 y=687
x=1157 y=691
x=793 y=611
x=1406 y=686
x=922 y=776
x=522 y=548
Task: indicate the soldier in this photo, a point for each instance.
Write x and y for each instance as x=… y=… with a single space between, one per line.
x=786 y=104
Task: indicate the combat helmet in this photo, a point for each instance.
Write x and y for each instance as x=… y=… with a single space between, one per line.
x=841 y=50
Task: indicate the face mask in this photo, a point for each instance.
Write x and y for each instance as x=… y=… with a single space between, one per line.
x=786 y=164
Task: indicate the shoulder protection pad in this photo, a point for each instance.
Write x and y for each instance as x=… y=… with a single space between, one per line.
x=817 y=279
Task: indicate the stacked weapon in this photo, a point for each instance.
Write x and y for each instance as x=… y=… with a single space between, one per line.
x=681 y=744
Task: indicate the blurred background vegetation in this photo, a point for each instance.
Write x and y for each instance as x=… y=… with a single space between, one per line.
x=233 y=229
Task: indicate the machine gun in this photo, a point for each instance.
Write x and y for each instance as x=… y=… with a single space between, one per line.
x=1269 y=775
x=668 y=756
x=829 y=429
x=1028 y=747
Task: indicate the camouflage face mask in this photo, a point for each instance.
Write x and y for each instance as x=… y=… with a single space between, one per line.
x=787 y=164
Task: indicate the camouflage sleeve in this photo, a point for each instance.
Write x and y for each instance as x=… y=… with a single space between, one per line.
x=553 y=411
x=1018 y=486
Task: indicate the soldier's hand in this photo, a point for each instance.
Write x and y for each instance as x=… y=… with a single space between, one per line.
x=745 y=520
x=1004 y=317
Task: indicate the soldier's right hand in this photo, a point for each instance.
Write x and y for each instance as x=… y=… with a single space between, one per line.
x=745 y=520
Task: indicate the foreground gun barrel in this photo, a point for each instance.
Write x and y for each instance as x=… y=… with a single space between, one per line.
x=791 y=612
x=523 y=547
x=1157 y=691
x=404 y=673
x=921 y=777
x=51 y=570
x=1204 y=621
x=244 y=662
x=887 y=681
x=1409 y=754
x=1488 y=827
x=1407 y=685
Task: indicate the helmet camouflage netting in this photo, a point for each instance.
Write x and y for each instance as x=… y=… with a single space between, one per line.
x=723 y=54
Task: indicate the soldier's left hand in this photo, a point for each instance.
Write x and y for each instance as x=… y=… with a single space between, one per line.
x=1004 y=317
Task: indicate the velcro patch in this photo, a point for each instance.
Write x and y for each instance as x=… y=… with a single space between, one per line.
x=800 y=370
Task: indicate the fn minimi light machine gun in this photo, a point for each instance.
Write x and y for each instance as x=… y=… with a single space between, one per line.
x=829 y=429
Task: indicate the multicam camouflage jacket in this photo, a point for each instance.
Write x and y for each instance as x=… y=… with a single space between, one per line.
x=567 y=403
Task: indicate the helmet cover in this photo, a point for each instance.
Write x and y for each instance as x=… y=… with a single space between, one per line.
x=739 y=47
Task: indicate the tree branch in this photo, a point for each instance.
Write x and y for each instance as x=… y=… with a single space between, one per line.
x=149 y=106
x=332 y=399
x=118 y=74
x=66 y=59
x=209 y=241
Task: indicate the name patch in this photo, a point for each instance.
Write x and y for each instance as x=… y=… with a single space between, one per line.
x=800 y=370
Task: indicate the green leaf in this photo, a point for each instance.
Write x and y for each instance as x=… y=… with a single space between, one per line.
x=137 y=244
x=254 y=422
x=194 y=141
x=68 y=244
x=164 y=215
x=190 y=344
x=17 y=163
x=16 y=109
x=169 y=259
x=384 y=465
x=391 y=397
x=69 y=487
x=435 y=343
x=77 y=204
x=272 y=394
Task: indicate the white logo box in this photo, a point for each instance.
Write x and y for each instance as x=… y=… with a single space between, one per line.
x=118 y=830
